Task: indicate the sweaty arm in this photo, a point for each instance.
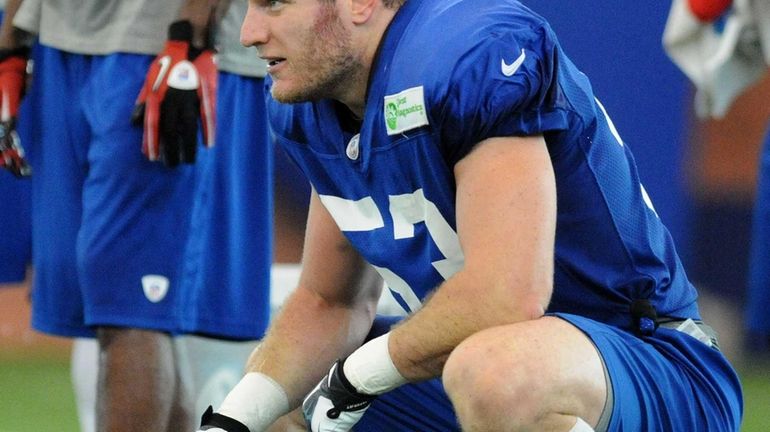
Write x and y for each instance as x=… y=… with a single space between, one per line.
x=506 y=219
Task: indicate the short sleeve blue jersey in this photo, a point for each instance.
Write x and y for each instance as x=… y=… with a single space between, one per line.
x=449 y=74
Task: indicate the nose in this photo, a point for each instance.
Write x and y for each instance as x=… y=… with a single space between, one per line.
x=254 y=29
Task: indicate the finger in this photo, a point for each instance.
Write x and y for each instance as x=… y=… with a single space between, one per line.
x=169 y=135
x=137 y=115
x=151 y=143
x=208 y=115
x=207 y=93
x=189 y=127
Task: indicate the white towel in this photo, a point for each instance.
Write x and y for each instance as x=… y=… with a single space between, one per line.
x=720 y=63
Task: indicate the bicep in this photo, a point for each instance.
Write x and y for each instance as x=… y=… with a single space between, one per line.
x=506 y=217
x=331 y=267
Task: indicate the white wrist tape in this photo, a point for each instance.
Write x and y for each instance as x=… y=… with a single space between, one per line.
x=256 y=401
x=370 y=368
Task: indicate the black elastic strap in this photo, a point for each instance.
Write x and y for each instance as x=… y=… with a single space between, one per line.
x=645 y=317
x=212 y=419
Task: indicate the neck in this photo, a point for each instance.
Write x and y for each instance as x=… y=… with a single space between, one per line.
x=368 y=37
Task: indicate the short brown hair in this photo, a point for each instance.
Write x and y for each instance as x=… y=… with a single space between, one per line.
x=393 y=4
x=390 y=4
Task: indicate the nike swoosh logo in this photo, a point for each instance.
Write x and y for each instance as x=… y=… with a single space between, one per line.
x=165 y=63
x=510 y=69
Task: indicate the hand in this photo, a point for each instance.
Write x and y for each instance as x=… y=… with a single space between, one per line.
x=180 y=90
x=213 y=422
x=708 y=10
x=13 y=74
x=334 y=405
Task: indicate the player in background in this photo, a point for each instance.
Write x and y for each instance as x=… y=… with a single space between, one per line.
x=724 y=47
x=489 y=188
x=17 y=241
x=112 y=199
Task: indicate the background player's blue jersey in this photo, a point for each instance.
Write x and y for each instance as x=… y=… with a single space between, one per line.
x=502 y=73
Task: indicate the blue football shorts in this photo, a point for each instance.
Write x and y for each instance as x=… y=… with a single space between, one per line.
x=15 y=217
x=15 y=246
x=110 y=226
x=667 y=382
x=229 y=252
x=757 y=318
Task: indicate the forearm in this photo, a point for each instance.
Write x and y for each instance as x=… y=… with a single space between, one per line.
x=10 y=36
x=306 y=338
x=199 y=13
x=508 y=272
x=420 y=346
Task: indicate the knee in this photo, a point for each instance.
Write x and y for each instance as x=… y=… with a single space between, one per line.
x=485 y=378
x=132 y=340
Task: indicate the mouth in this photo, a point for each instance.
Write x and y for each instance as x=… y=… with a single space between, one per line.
x=272 y=62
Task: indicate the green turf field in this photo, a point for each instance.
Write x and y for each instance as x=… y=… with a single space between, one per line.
x=36 y=396
x=756 y=388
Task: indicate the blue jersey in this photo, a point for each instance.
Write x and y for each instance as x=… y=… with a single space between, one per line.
x=501 y=72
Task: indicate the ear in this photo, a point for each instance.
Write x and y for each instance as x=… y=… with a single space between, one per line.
x=361 y=10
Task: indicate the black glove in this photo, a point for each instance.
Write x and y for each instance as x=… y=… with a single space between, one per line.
x=213 y=422
x=178 y=93
x=334 y=405
x=13 y=75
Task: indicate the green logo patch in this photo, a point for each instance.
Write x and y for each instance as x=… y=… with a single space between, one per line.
x=405 y=111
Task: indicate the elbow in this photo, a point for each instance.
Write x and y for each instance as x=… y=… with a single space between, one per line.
x=524 y=308
x=524 y=301
x=533 y=310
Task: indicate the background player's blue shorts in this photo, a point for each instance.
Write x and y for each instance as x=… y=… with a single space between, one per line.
x=109 y=226
x=757 y=318
x=669 y=382
x=15 y=249
x=15 y=217
x=228 y=258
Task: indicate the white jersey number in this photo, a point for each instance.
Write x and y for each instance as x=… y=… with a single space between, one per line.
x=406 y=210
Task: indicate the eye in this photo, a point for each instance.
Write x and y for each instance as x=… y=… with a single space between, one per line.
x=274 y=5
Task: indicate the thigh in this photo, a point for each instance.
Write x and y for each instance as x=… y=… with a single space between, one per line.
x=669 y=381
x=419 y=407
x=530 y=373
x=539 y=362
x=58 y=161
x=135 y=212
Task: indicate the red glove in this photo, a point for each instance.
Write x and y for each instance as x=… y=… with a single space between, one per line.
x=180 y=90
x=13 y=75
x=709 y=10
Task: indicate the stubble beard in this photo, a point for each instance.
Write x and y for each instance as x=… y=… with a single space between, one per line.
x=328 y=67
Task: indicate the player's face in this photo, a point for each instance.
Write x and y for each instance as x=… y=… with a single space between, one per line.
x=306 y=44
